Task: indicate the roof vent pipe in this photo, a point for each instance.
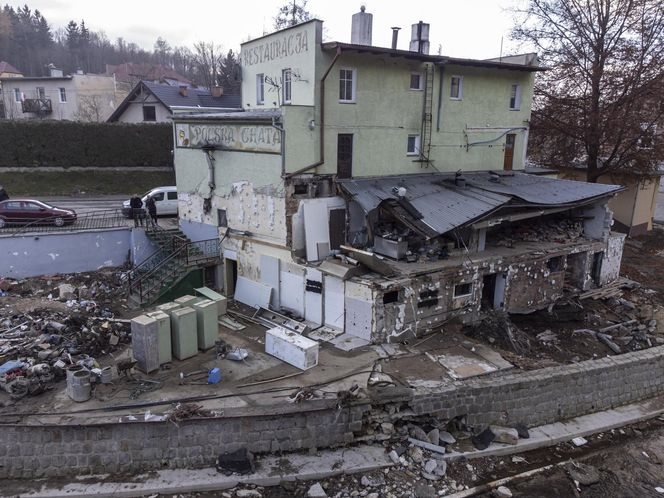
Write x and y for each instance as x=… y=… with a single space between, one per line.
x=360 y=33
x=419 y=38
x=395 y=36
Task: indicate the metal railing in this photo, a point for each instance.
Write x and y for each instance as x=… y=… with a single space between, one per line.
x=149 y=282
x=88 y=220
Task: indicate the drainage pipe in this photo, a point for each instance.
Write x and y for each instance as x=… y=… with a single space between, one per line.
x=322 y=120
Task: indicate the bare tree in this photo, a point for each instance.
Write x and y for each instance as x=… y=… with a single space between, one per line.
x=292 y=13
x=602 y=97
x=90 y=109
x=208 y=60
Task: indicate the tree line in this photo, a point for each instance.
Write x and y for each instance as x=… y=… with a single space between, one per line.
x=30 y=43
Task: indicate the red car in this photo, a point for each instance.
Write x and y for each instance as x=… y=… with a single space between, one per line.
x=26 y=211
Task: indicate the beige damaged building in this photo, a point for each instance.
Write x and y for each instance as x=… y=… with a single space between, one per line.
x=378 y=192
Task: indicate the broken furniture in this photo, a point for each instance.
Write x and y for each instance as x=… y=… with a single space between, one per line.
x=291 y=347
x=271 y=319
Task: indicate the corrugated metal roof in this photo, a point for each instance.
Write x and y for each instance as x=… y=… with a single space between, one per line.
x=444 y=206
x=540 y=190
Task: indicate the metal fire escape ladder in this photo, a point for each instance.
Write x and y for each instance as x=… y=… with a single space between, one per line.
x=427 y=116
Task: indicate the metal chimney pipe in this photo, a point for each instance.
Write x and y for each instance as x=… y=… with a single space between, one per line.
x=395 y=36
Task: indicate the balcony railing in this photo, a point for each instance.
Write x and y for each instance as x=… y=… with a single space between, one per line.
x=37 y=106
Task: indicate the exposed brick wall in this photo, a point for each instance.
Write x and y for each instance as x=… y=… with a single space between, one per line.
x=534 y=398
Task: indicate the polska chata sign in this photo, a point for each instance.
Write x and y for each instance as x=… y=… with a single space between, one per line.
x=249 y=138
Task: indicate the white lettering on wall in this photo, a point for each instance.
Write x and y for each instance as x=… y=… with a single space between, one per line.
x=286 y=46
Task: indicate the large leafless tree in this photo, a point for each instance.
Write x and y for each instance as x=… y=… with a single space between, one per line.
x=602 y=98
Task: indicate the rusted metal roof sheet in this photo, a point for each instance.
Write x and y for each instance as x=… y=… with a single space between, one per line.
x=445 y=206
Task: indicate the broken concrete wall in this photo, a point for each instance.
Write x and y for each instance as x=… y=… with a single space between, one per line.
x=50 y=253
x=531 y=286
x=612 y=258
x=598 y=219
x=259 y=212
x=407 y=307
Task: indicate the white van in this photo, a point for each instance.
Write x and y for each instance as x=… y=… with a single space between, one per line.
x=165 y=198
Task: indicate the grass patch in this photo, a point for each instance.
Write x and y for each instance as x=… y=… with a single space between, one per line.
x=92 y=182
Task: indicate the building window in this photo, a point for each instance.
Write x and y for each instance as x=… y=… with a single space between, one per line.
x=416 y=81
x=17 y=95
x=286 y=82
x=391 y=297
x=41 y=93
x=149 y=113
x=345 y=155
x=556 y=264
x=222 y=219
x=463 y=290
x=515 y=97
x=456 y=87
x=413 y=146
x=63 y=95
x=260 y=89
x=347 y=85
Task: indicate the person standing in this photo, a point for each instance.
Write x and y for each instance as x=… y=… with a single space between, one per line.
x=136 y=205
x=151 y=206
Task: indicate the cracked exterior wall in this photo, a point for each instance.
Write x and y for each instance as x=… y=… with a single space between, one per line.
x=428 y=300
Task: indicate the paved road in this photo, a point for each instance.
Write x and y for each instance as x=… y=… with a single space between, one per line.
x=84 y=204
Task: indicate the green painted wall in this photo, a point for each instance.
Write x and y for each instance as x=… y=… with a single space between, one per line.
x=386 y=111
x=293 y=48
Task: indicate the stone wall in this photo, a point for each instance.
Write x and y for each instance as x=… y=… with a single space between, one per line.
x=534 y=398
x=550 y=394
x=54 y=450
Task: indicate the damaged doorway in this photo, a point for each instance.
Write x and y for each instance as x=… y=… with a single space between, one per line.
x=575 y=273
x=493 y=291
x=230 y=276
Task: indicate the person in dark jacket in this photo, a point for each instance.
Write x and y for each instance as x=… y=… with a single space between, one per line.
x=151 y=206
x=136 y=205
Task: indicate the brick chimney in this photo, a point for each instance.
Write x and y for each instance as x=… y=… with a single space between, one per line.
x=183 y=90
x=217 y=91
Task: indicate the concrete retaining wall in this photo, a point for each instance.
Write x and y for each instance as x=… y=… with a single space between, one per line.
x=71 y=252
x=535 y=398
x=551 y=394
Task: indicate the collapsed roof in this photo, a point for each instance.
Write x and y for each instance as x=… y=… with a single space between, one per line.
x=437 y=203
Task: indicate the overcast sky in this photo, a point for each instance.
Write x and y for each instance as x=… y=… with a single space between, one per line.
x=468 y=28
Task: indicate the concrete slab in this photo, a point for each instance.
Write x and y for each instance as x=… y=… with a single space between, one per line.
x=271 y=471
x=461 y=363
x=347 y=342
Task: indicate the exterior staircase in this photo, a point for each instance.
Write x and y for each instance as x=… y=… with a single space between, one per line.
x=176 y=257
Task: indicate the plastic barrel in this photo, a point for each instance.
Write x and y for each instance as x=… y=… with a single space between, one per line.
x=78 y=386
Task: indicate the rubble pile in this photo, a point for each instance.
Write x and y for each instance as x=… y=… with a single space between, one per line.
x=51 y=324
x=560 y=230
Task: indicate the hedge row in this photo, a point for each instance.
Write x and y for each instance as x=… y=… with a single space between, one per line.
x=66 y=144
